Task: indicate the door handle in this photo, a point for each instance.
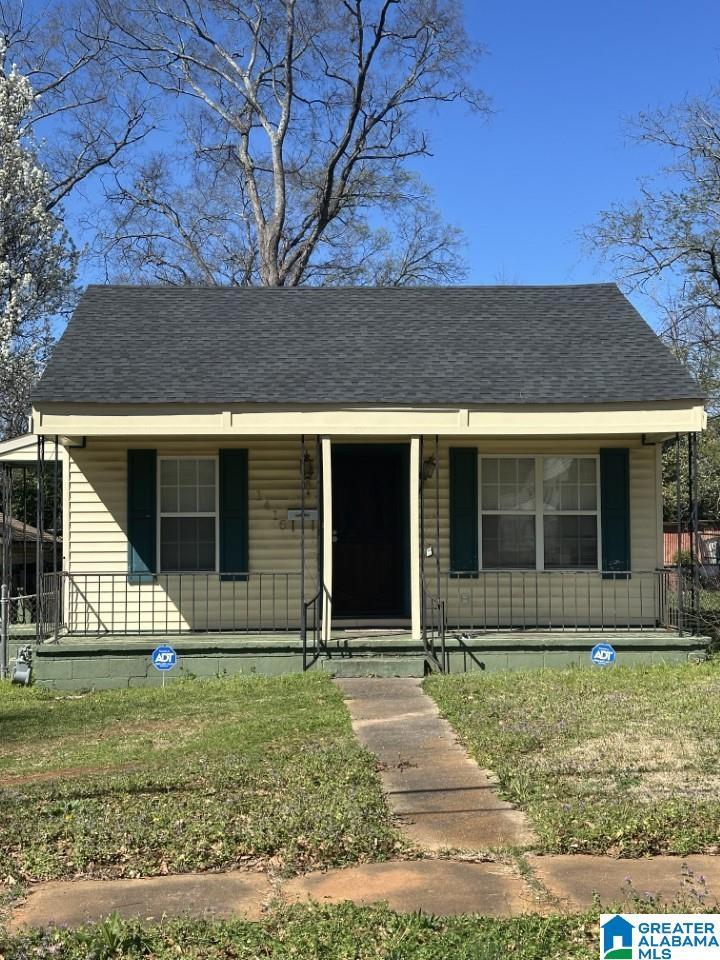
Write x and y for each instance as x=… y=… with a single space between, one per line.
x=334 y=536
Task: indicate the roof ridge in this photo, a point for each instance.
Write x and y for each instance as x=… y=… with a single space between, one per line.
x=227 y=288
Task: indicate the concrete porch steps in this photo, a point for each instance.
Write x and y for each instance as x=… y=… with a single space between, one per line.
x=370 y=666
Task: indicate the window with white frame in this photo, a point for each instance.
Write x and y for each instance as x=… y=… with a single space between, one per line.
x=188 y=514
x=570 y=513
x=508 y=502
x=539 y=512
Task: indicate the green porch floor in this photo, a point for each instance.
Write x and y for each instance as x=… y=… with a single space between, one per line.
x=356 y=640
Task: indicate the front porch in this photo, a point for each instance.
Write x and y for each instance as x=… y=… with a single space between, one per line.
x=358 y=558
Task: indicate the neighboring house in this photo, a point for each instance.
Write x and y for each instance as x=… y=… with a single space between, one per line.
x=465 y=476
x=19 y=561
x=19 y=538
x=708 y=546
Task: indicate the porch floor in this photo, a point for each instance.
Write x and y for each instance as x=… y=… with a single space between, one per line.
x=349 y=641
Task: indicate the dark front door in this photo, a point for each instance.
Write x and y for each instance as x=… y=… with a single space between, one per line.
x=371 y=554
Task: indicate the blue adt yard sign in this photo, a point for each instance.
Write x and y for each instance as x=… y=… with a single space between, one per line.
x=603 y=654
x=164 y=657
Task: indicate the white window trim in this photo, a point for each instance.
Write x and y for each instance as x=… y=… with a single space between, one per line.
x=539 y=512
x=216 y=514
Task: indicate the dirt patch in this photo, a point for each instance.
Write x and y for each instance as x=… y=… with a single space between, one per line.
x=158 y=731
x=649 y=767
x=66 y=773
x=689 y=785
x=116 y=728
x=634 y=751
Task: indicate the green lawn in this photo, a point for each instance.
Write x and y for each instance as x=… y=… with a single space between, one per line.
x=623 y=761
x=201 y=775
x=345 y=932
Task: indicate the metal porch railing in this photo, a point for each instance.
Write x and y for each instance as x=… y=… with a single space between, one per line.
x=23 y=619
x=433 y=630
x=311 y=631
x=577 y=600
x=101 y=604
x=122 y=604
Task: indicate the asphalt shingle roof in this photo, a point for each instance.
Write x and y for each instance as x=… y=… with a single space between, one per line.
x=461 y=346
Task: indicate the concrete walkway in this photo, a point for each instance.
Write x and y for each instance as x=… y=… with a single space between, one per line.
x=232 y=894
x=441 y=797
x=575 y=879
x=437 y=886
x=440 y=887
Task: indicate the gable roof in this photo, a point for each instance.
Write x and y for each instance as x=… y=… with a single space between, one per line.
x=460 y=346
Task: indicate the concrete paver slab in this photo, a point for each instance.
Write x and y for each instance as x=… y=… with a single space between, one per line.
x=576 y=878
x=440 y=887
x=441 y=796
x=234 y=894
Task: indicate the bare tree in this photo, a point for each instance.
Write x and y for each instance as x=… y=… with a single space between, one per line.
x=301 y=117
x=85 y=112
x=667 y=242
x=667 y=245
x=70 y=113
x=159 y=231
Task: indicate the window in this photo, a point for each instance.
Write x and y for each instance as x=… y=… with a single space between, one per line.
x=570 y=518
x=188 y=514
x=539 y=512
x=508 y=503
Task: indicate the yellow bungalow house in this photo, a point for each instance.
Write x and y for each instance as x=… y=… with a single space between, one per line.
x=362 y=480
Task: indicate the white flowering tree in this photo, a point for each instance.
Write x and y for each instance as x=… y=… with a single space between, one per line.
x=37 y=259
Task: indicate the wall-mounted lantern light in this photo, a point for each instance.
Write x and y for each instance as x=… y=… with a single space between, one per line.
x=428 y=468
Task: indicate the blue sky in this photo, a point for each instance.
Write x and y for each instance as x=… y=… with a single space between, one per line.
x=562 y=77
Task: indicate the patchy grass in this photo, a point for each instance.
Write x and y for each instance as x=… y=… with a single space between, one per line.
x=344 y=932
x=202 y=775
x=624 y=761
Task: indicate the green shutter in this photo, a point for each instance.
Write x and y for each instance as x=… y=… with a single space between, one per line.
x=463 y=510
x=142 y=511
x=615 y=509
x=234 y=514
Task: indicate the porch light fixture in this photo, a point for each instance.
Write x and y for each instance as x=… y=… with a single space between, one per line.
x=428 y=468
x=307 y=471
x=308 y=467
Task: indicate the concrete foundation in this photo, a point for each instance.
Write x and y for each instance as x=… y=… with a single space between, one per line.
x=82 y=663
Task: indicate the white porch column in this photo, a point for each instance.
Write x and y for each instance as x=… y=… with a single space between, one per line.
x=327 y=538
x=415 y=546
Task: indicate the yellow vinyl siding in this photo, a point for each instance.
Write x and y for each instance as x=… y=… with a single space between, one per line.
x=97 y=544
x=502 y=599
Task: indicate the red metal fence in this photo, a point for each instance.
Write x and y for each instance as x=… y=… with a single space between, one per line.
x=709 y=546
